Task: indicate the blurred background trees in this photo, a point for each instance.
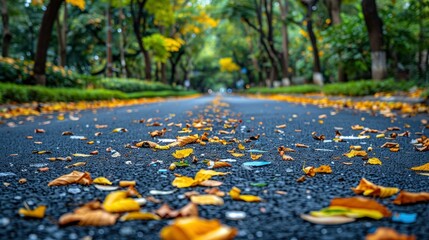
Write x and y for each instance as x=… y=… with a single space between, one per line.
x=217 y=43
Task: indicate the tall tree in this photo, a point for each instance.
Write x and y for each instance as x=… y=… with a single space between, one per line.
x=374 y=26
x=284 y=10
x=334 y=7
x=62 y=36
x=7 y=36
x=310 y=5
x=109 y=61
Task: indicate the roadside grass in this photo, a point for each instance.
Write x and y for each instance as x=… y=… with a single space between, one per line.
x=355 y=88
x=13 y=93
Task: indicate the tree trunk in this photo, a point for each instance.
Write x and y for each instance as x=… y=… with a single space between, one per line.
x=109 y=68
x=284 y=8
x=124 y=71
x=62 y=37
x=317 y=75
x=45 y=32
x=7 y=36
x=138 y=21
x=374 y=26
x=334 y=7
x=163 y=73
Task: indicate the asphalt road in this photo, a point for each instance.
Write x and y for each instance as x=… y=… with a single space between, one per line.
x=277 y=217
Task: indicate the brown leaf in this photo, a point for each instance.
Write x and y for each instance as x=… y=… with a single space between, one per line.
x=287 y=158
x=39 y=130
x=368 y=188
x=319 y=138
x=300 y=145
x=210 y=183
x=218 y=164
x=301 y=179
x=384 y=233
x=158 y=133
x=189 y=210
x=215 y=191
x=390 y=145
x=91 y=214
x=405 y=197
x=83 y=178
x=67 y=133
x=361 y=202
x=207 y=200
x=165 y=211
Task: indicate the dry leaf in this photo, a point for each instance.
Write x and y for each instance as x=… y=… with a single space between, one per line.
x=309 y=171
x=127 y=183
x=287 y=158
x=284 y=149
x=38 y=212
x=218 y=164
x=182 y=141
x=78 y=164
x=207 y=200
x=368 y=188
x=357 y=127
x=327 y=220
x=179 y=154
x=384 y=233
x=361 y=203
x=374 y=161
x=197 y=228
x=390 y=145
x=237 y=154
x=281 y=126
x=354 y=153
x=405 y=197
x=22 y=180
x=215 y=191
x=102 y=181
x=139 y=216
x=301 y=179
x=255 y=156
x=39 y=130
x=424 y=167
x=200 y=177
x=235 y=194
x=91 y=214
x=300 y=145
x=158 y=133
x=118 y=202
x=81 y=155
x=116 y=130
x=319 y=138
x=323 y=169
x=166 y=212
x=210 y=183
x=83 y=178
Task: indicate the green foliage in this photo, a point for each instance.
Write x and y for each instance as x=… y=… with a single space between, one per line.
x=368 y=87
x=153 y=94
x=132 y=85
x=301 y=89
x=156 y=44
x=11 y=93
x=162 y=11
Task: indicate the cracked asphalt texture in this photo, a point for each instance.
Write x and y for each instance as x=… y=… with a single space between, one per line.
x=277 y=217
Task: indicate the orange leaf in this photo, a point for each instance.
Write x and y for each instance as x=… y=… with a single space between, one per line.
x=300 y=145
x=309 y=171
x=210 y=183
x=197 y=228
x=220 y=164
x=38 y=212
x=405 y=197
x=90 y=214
x=323 y=169
x=424 y=167
x=139 y=216
x=355 y=153
x=255 y=156
x=83 y=178
x=361 y=202
x=384 y=233
x=237 y=154
x=368 y=188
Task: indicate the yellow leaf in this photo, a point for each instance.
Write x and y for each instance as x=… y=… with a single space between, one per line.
x=237 y=154
x=355 y=153
x=139 y=216
x=102 y=181
x=235 y=194
x=424 y=167
x=374 y=161
x=114 y=196
x=116 y=130
x=179 y=154
x=118 y=202
x=323 y=169
x=81 y=155
x=207 y=200
x=38 y=212
x=360 y=203
x=241 y=147
x=368 y=188
x=194 y=228
x=203 y=174
x=255 y=156
x=183 y=182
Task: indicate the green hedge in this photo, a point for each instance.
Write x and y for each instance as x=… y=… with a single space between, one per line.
x=21 y=94
x=151 y=94
x=355 y=88
x=132 y=85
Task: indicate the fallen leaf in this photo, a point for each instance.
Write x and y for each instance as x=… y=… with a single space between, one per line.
x=310 y=171
x=207 y=200
x=118 y=201
x=39 y=130
x=78 y=164
x=116 y=130
x=158 y=133
x=255 y=156
x=217 y=164
x=361 y=203
x=300 y=145
x=357 y=127
x=235 y=194
x=210 y=183
x=22 y=180
x=327 y=220
x=200 y=177
x=215 y=191
x=44 y=169
x=83 y=178
x=81 y=155
x=197 y=228
x=374 y=161
x=301 y=179
x=139 y=216
x=347 y=212
x=323 y=169
x=67 y=133
x=405 y=197
x=241 y=147
x=355 y=153
x=384 y=233
x=287 y=158
x=281 y=126
x=90 y=214
x=424 y=167
x=102 y=181
x=127 y=183
x=38 y=212
x=237 y=154
x=390 y=145
x=179 y=154
x=368 y=188
x=319 y=138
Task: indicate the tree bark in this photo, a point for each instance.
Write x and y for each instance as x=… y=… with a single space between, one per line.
x=62 y=37
x=7 y=36
x=109 y=66
x=317 y=70
x=45 y=32
x=374 y=26
x=284 y=9
x=124 y=71
x=139 y=21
